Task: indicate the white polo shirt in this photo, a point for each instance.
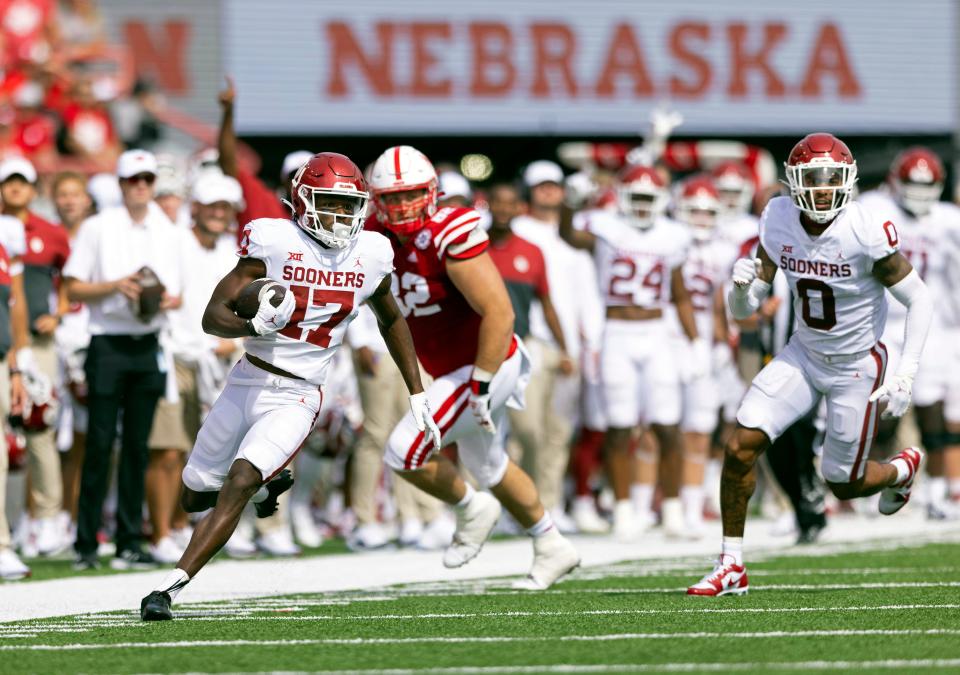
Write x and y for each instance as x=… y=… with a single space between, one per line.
x=202 y=270
x=110 y=246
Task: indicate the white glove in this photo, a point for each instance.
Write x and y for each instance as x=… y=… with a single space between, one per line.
x=423 y=418
x=721 y=357
x=663 y=121
x=898 y=391
x=745 y=271
x=699 y=358
x=270 y=319
x=578 y=189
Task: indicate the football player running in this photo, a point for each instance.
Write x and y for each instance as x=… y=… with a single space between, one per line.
x=329 y=266
x=639 y=256
x=929 y=232
x=705 y=272
x=462 y=323
x=839 y=258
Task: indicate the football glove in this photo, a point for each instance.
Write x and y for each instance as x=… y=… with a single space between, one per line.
x=480 y=399
x=898 y=391
x=745 y=271
x=270 y=319
x=423 y=418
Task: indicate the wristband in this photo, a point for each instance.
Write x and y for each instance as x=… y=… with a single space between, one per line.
x=14 y=371
x=480 y=381
x=250 y=328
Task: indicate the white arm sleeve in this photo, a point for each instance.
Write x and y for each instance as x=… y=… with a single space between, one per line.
x=744 y=301
x=912 y=293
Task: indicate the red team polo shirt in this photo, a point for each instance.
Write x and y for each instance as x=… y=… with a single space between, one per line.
x=525 y=274
x=48 y=247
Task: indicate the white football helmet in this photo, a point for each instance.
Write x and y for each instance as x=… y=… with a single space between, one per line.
x=403 y=168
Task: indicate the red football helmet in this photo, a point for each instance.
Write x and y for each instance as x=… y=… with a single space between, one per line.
x=821 y=173
x=642 y=194
x=735 y=185
x=403 y=168
x=699 y=205
x=916 y=178
x=329 y=173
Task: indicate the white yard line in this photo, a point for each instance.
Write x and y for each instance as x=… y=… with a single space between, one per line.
x=362 y=573
x=495 y=639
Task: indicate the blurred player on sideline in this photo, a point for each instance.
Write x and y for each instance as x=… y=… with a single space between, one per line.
x=329 y=266
x=462 y=323
x=838 y=258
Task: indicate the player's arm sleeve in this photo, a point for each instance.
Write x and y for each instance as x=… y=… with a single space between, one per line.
x=913 y=294
x=462 y=238
x=253 y=241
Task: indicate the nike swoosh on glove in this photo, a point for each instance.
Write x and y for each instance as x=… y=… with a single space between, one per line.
x=898 y=391
x=270 y=319
x=423 y=418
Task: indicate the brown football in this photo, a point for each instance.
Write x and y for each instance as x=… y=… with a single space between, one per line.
x=248 y=302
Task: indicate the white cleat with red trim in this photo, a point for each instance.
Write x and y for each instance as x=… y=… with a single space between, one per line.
x=725 y=579
x=895 y=497
x=474 y=524
x=553 y=557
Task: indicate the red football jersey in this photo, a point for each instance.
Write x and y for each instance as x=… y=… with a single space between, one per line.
x=445 y=328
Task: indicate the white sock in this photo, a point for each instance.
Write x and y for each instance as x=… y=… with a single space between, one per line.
x=542 y=526
x=260 y=494
x=903 y=469
x=174 y=582
x=641 y=494
x=692 y=498
x=955 y=488
x=467 y=497
x=938 y=490
x=732 y=548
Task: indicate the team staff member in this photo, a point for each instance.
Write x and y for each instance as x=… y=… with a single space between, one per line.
x=47 y=249
x=117 y=258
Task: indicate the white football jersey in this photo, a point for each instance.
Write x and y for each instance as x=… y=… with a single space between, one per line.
x=706 y=269
x=932 y=245
x=328 y=284
x=634 y=265
x=841 y=307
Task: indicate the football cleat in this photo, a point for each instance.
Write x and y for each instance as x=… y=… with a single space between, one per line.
x=474 y=524
x=553 y=556
x=725 y=579
x=276 y=487
x=895 y=497
x=156 y=607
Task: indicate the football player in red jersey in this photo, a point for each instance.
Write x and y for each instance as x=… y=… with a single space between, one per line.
x=462 y=323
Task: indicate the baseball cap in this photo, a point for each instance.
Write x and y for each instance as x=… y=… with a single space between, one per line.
x=134 y=162
x=452 y=184
x=294 y=161
x=18 y=166
x=542 y=171
x=211 y=188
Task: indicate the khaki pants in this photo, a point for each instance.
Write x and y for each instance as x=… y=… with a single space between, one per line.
x=4 y=411
x=541 y=430
x=385 y=401
x=175 y=425
x=43 y=458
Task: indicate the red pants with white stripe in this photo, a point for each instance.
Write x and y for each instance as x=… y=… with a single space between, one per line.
x=792 y=384
x=484 y=454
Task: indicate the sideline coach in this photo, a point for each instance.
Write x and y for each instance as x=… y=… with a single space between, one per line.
x=124 y=267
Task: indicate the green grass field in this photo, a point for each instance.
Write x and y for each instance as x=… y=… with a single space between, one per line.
x=887 y=611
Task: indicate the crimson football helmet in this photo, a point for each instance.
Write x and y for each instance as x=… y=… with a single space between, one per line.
x=642 y=194
x=329 y=173
x=403 y=168
x=698 y=205
x=821 y=173
x=916 y=179
x=735 y=186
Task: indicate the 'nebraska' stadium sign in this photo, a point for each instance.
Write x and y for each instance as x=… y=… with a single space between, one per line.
x=597 y=67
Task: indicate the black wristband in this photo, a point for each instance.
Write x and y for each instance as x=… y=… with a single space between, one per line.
x=250 y=329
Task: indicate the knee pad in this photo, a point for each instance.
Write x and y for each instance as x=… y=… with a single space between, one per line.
x=934 y=441
x=834 y=473
x=487 y=468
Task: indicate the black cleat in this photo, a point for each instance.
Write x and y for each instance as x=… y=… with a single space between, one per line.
x=86 y=561
x=156 y=607
x=280 y=484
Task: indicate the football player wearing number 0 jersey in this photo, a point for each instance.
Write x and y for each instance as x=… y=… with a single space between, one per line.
x=839 y=259
x=639 y=254
x=329 y=266
x=462 y=323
